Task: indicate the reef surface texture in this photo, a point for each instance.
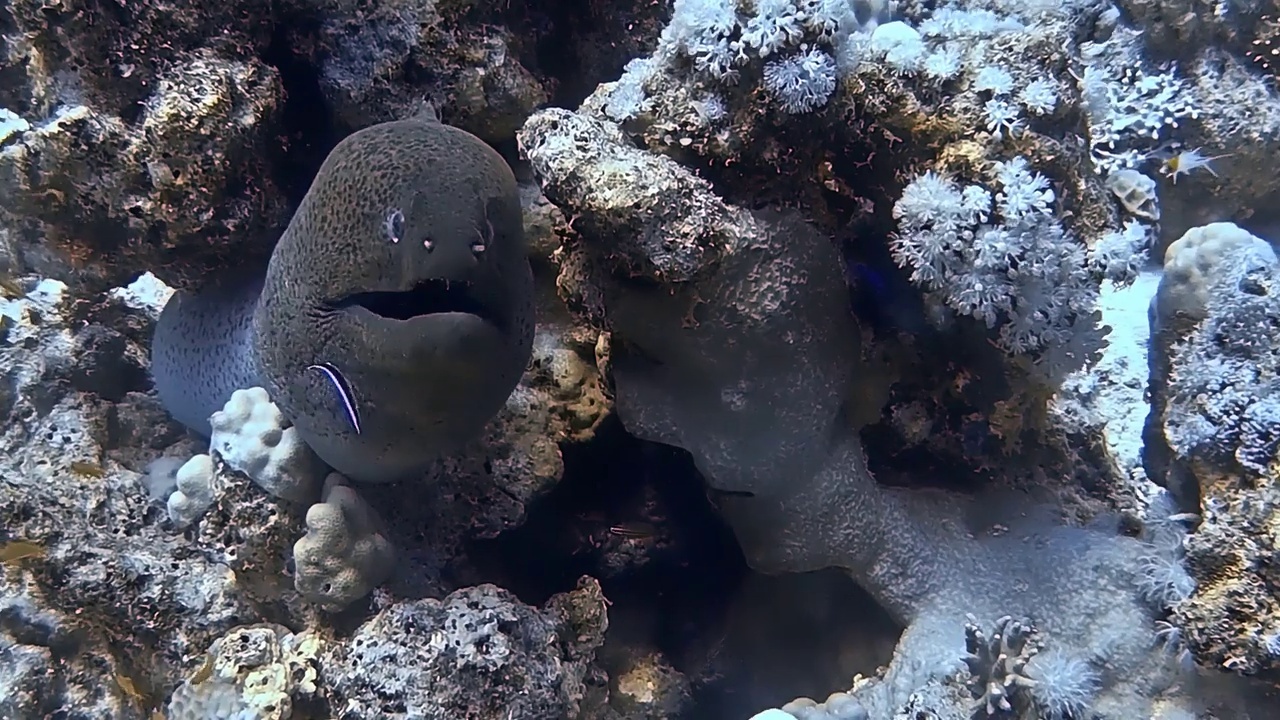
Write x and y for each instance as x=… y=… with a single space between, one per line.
x=711 y=359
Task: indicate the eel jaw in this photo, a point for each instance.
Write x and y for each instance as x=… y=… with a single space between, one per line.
x=433 y=296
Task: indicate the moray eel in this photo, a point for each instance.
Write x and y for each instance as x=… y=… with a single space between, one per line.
x=400 y=290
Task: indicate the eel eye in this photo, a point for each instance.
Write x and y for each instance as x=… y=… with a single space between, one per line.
x=394 y=225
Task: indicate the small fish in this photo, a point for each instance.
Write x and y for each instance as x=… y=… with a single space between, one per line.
x=1183 y=162
x=14 y=552
x=202 y=673
x=88 y=469
x=865 y=273
x=11 y=286
x=344 y=391
x=130 y=688
x=635 y=530
x=879 y=298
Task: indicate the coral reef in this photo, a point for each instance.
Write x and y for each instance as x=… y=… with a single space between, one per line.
x=854 y=391
x=477 y=652
x=53 y=663
x=77 y=489
x=167 y=138
x=252 y=671
x=811 y=502
x=178 y=190
x=744 y=437
x=1211 y=433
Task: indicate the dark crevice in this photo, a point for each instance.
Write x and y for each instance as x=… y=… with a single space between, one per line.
x=636 y=516
x=308 y=132
x=557 y=54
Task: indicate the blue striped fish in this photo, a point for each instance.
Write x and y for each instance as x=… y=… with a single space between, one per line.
x=343 y=389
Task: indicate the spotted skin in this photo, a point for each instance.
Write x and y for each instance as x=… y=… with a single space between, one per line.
x=201 y=351
x=393 y=205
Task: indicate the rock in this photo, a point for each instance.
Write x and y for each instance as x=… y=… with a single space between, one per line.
x=478 y=652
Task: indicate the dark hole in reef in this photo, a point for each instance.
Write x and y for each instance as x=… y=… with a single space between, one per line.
x=429 y=297
x=639 y=488
x=635 y=516
x=307 y=129
x=743 y=640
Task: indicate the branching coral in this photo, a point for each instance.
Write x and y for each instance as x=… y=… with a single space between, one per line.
x=997 y=663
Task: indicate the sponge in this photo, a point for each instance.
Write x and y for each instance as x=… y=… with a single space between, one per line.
x=253 y=437
x=194 y=493
x=344 y=554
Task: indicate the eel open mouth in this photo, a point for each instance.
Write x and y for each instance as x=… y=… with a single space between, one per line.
x=428 y=297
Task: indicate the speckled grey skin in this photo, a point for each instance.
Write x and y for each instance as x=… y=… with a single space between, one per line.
x=398 y=212
x=201 y=352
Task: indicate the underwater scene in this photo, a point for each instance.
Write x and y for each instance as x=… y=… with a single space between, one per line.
x=639 y=360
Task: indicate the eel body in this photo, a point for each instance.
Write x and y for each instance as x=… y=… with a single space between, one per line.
x=396 y=314
x=202 y=350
